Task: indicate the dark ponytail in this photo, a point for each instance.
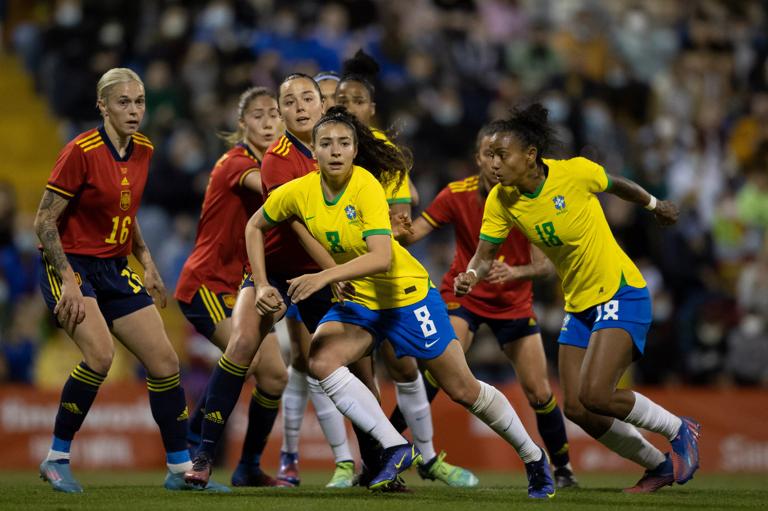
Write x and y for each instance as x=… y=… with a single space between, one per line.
x=386 y=161
x=531 y=127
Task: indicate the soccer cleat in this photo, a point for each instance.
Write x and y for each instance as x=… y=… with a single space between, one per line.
x=60 y=476
x=289 y=468
x=174 y=481
x=201 y=470
x=685 y=450
x=396 y=459
x=396 y=486
x=564 y=477
x=250 y=475
x=440 y=470
x=540 y=482
x=655 y=479
x=343 y=475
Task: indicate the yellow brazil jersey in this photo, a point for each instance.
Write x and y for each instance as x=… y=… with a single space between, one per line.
x=342 y=225
x=565 y=220
x=401 y=195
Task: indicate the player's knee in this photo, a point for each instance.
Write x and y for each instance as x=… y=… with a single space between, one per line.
x=537 y=395
x=404 y=372
x=274 y=381
x=166 y=364
x=241 y=349
x=461 y=393
x=595 y=399
x=100 y=361
x=321 y=364
x=575 y=411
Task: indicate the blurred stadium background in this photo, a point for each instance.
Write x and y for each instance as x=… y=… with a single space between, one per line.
x=671 y=94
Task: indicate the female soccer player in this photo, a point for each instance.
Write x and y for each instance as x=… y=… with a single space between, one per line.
x=87 y=226
x=345 y=208
x=607 y=305
x=355 y=92
x=211 y=276
x=503 y=301
x=289 y=157
x=327 y=81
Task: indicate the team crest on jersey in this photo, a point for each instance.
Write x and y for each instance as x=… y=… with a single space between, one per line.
x=559 y=202
x=125 y=200
x=229 y=300
x=351 y=212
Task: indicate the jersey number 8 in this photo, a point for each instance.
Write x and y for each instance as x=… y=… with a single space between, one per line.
x=427 y=325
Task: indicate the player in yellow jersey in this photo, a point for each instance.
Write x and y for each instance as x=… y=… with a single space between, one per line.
x=607 y=304
x=345 y=209
x=355 y=92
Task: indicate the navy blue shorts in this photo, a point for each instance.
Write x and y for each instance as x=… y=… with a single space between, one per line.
x=505 y=330
x=208 y=309
x=310 y=310
x=116 y=287
x=629 y=309
x=422 y=330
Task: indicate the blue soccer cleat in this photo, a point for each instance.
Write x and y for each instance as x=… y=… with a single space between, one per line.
x=655 y=479
x=174 y=481
x=60 y=476
x=396 y=459
x=540 y=482
x=289 y=468
x=685 y=450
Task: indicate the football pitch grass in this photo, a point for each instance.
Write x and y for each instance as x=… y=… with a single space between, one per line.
x=115 y=491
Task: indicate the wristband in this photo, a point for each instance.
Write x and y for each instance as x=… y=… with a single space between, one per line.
x=651 y=204
x=473 y=272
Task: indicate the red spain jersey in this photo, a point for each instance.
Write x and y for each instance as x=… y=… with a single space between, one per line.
x=104 y=192
x=219 y=255
x=284 y=161
x=461 y=204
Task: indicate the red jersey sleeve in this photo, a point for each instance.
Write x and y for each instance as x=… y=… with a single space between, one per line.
x=441 y=211
x=68 y=173
x=238 y=169
x=276 y=170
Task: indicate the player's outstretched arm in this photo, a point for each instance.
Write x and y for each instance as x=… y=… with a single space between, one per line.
x=152 y=280
x=478 y=267
x=410 y=232
x=539 y=267
x=666 y=212
x=70 y=309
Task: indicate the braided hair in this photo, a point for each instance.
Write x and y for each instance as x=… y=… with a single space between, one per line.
x=386 y=161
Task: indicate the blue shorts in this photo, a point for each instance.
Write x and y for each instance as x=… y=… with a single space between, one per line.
x=310 y=310
x=293 y=313
x=629 y=309
x=208 y=309
x=505 y=330
x=118 y=290
x=422 y=330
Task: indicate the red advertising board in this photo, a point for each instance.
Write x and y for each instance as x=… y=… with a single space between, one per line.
x=120 y=433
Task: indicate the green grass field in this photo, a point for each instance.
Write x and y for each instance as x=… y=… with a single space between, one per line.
x=133 y=491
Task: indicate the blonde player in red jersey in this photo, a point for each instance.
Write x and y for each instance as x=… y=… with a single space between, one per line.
x=87 y=226
x=212 y=274
x=503 y=301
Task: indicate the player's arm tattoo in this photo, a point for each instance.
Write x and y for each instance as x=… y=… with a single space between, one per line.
x=139 y=247
x=51 y=207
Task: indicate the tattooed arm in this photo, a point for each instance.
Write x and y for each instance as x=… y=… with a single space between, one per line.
x=70 y=309
x=152 y=280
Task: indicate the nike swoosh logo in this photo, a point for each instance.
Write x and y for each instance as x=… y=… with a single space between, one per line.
x=430 y=344
x=398 y=465
x=309 y=217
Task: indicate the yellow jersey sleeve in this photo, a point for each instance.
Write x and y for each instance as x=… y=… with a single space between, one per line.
x=373 y=202
x=497 y=218
x=589 y=175
x=281 y=203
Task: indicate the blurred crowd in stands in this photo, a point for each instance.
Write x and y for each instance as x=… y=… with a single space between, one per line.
x=671 y=94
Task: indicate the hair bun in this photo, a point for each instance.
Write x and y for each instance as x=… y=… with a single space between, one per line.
x=361 y=64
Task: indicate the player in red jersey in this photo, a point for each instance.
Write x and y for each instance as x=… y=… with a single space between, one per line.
x=210 y=279
x=289 y=157
x=87 y=226
x=504 y=301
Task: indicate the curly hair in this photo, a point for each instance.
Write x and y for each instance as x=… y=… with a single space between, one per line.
x=530 y=126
